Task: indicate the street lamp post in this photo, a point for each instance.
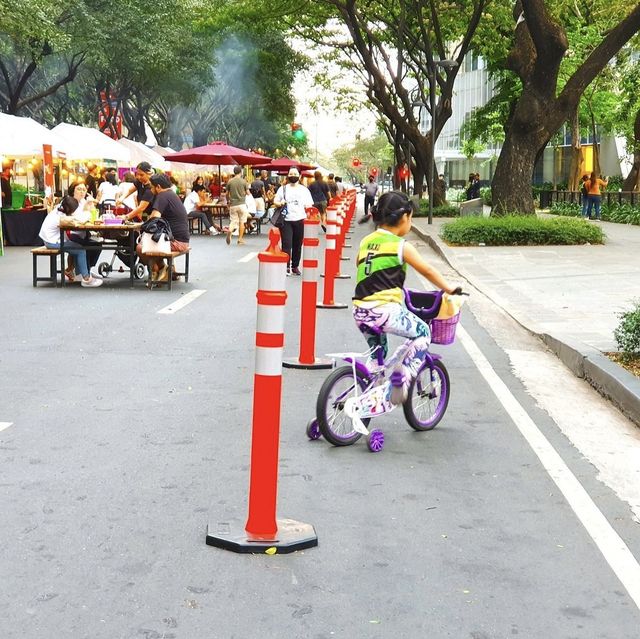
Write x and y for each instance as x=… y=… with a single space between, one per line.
x=445 y=64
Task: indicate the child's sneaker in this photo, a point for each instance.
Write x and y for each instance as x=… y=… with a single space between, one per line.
x=398 y=387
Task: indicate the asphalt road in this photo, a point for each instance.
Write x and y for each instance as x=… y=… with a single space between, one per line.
x=130 y=429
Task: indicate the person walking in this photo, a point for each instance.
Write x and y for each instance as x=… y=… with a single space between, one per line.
x=593 y=185
x=370 y=193
x=237 y=191
x=297 y=198
x=320 y=193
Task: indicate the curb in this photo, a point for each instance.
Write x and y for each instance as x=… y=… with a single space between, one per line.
x=612 y=381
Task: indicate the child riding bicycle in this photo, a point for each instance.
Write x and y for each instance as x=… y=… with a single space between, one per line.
x=378 y=306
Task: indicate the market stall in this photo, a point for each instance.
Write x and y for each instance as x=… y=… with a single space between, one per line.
x=22 y=147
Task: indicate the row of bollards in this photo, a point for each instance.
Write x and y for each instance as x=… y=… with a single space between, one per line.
x=262 y=532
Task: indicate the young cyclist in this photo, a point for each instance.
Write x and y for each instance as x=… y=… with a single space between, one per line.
x=378 y=302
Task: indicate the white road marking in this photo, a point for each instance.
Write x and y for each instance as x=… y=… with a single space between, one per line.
x=248 y=257
x=612 y=547
x=4 y=425
x=182 y=302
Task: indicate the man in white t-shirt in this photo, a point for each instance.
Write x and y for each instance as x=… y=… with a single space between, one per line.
x=370 y=193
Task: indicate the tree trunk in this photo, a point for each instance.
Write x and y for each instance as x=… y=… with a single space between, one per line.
x=596 y=146
x=576 y=168
x=632 y=181
x=511 y=186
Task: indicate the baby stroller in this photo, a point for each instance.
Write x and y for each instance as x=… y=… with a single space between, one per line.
x=127 y=261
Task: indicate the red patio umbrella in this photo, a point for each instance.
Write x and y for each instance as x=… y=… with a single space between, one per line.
x=282 y=165
x=217 y=153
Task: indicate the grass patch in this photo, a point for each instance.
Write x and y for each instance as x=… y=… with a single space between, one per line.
x=520 y=230
x=447 y=210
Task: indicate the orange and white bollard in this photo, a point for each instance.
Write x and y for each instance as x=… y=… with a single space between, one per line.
x=310 y=246
x=340 y=243
x=262 y=532
x=331 y=261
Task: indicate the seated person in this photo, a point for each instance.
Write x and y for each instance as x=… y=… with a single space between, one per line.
x=107 y=192
x=79 y=192
x=167 y=205
x=50 y=234
x=192 y=203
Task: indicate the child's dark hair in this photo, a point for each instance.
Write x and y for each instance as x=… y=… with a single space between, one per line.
x=391 y=207
x=68 y=204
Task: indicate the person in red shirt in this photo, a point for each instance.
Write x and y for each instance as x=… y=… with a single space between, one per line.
x=214 y=187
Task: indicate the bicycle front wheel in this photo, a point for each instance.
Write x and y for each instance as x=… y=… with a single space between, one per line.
x=334 y=424
x=428 y=397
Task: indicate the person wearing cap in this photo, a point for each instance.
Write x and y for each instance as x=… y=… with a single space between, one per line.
x=142 y=187
x=297 y=198
x=237 y=190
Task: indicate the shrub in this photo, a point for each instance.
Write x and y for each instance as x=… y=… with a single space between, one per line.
x=566 y=209
x=520 y=230
x=485 y=194
x=615 y=183
x=446 y=210
x=456 y=195
x=620 y=213
x=627 y=333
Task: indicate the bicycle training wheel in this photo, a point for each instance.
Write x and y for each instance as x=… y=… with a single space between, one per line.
x=428 y=398
x=332 y=420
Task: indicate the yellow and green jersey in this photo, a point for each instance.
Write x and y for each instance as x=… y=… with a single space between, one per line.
x=381 y=269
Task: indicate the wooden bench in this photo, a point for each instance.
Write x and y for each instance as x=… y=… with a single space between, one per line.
x=170 y=257
x=52 y=254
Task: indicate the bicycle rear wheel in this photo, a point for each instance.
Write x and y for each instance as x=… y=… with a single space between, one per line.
x=428 y=397
x=334 y=424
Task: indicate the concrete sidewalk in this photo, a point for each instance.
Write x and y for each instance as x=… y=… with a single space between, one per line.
x=570 y=296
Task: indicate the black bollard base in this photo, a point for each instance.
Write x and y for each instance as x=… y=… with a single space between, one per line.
x=318 y=362
x=340 y=276
x=345 y=258
x=334 y=305
x=291 y=536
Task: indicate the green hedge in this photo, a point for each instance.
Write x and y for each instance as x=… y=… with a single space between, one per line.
x=520 y=230
x=447 y=210
x=627 y=333
x=619 y=213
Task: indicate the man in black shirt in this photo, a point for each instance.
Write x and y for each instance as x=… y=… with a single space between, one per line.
x=142 y=186
x=92 y=180
x=7 y=193
x=168 y=206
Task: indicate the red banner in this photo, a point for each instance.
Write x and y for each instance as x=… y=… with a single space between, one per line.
x=109 y=113
x=47 y=166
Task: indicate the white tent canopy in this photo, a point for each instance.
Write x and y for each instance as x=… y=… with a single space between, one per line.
x=22 y=137
x=91 y=144
x=142 y=153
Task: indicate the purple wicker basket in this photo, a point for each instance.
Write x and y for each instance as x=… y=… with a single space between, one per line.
x=444 y=331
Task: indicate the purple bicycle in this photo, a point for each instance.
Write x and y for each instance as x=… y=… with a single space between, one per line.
x=353 y=394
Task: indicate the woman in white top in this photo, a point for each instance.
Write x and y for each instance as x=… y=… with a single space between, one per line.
x=192 y=203
x=297 y=198
x=108 y=191
x=50 y=234
x=83 y=214
x=125 y=195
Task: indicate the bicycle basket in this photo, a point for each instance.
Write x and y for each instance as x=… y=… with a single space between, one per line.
x=444 y=331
